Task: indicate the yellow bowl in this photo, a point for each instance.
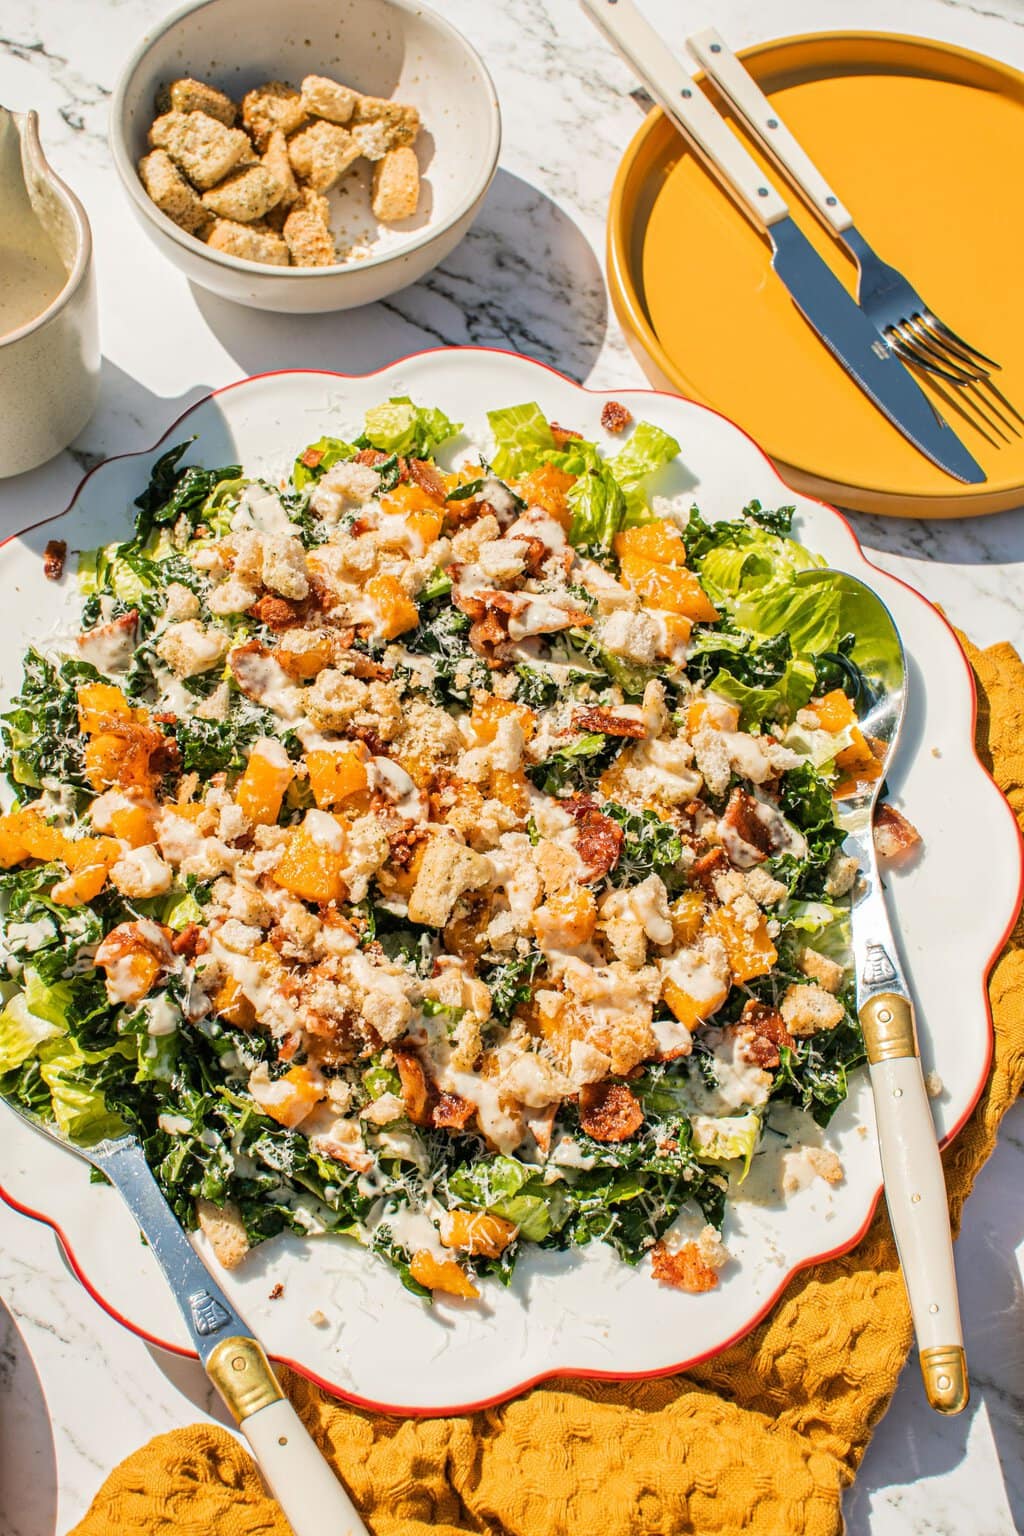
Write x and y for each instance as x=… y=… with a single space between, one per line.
x=923 y=141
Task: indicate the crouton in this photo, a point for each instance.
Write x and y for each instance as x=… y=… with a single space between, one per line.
x=326 y=98
x=894 y=834
x=181 y=603
x=245 y=196
x=277 y=163
x=249 y=243
x=396 y=185
x=448 y=869
x=809 y=1008
x=284 y=566
x=189 y=649
x=821 y=969
x=201 y=146
x=322 y=153
x=141 y=873
x=840 y=875
x=309 y=239
x=172 y=194
x=270 y=106
x=633 y=636
x=826 y=1164
x=399 y=124
x=187 y=95
x=225 y=1230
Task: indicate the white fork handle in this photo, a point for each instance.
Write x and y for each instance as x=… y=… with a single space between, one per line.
x=313 y=1501
x=673 y=89
x=746 y=97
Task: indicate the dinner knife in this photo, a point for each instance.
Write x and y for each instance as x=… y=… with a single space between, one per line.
x=312 y=1499
x=812 y=284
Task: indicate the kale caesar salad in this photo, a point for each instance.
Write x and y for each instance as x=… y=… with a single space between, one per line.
x=438 y=846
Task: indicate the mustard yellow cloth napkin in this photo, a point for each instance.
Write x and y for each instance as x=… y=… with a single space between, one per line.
x=763 y=1439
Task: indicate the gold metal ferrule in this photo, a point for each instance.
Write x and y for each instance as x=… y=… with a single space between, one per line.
x=944 y=1369
x=887 y=1020
x=242 y=1374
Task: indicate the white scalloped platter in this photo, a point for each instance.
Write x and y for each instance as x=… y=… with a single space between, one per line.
x=581 y=1313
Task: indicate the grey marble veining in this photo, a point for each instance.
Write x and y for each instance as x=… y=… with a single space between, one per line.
x=77 y=1392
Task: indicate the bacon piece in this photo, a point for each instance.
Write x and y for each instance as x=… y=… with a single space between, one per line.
x=894 y=834
x=615 y=417
x=275 y=612
x=54 y=556
x=311 y=458
x=610 y=1111
x=418 y=1093
x=452 y=1112
x=373 y=457
x=191 y=941
x=708 y=866
x=741 y=815
x=685 y=1269
x=536 y=552
x=563 y=435
x=428 y=478
x=762 y=1030
x=598 y=838
x=597 y=719
x=402 y=844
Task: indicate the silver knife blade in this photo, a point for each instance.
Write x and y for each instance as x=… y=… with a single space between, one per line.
x=853 y=340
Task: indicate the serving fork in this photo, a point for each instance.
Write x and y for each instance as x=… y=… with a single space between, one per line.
x=915 y=1186
x=902 y=318
x=311 y=1497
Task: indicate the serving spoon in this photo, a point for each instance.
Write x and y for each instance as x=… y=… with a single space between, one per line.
x=915 y=1189
x=313 y=1501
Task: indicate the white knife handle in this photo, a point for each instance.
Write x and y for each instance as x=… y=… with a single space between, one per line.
x=674 y=90
x=915 y=1192
x=313 y=1501
x=743 y=93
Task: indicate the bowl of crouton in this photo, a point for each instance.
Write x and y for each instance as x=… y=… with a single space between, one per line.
x=307 y=157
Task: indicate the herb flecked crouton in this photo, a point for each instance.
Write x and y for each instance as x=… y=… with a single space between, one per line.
x=225 y=1230
x=448 y=869
x=188 y=95
x=249 y=243
x=172 y=194
x=396 y=185
x=326 y=98
x=322 y=153
x=270 y=106
x=309 y=239
x=201 y=146
x=808 y=1009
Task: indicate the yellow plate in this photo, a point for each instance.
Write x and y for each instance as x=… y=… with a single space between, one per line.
x=924 y=143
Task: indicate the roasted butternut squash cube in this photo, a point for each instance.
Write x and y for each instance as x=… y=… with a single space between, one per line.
x=548 y=487
x=333 y=776
x=99 y=702
x=477 y=1232
x=687 y=915
x=489 y=711
x=750 y=950
x=441 y=1275
x=134 y=825
x=40 y=839
x=568 y=917
x=689 y=1009
x=834 y=710
x=133 y=957
x=710 y=714
x=261 y=789
x=12 y=846
x=312 y=869
x=292 y=1097
x=659 y=541
x=396 y=608
x=80 y=887
x=231 y=1003
x=84 y=852
x=670 y=587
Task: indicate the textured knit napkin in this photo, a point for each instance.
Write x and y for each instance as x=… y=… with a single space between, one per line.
x=763 y=1439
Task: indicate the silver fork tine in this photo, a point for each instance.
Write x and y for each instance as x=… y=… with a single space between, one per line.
x=954 y=397
x=932 y=342
x=966 y=373
x=950 y=335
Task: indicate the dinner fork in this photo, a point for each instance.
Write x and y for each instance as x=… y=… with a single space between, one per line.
x=901 y=317
x=311 y=1497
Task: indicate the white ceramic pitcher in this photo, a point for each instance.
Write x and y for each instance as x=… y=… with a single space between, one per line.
x=49 y=335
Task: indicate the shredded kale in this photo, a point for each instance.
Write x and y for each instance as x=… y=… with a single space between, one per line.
x=573 y=769
x=510 y=983
x=650 y=846
x=172 y=492
x=805 y=798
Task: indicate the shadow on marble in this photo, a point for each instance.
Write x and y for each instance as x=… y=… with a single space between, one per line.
x=998 y=539
x=187 y=1377
x=524 y=280
x=903 y=1452
x=28 y=1461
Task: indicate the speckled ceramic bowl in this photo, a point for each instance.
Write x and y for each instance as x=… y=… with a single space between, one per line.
x=392 y=48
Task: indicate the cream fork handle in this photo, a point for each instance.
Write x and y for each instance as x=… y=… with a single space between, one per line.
x=673 y=89
x=742 y=92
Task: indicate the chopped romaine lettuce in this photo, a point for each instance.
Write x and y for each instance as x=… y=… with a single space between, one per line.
x=401 y=427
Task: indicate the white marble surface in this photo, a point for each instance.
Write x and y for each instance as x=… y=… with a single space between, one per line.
x=77 y=1393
